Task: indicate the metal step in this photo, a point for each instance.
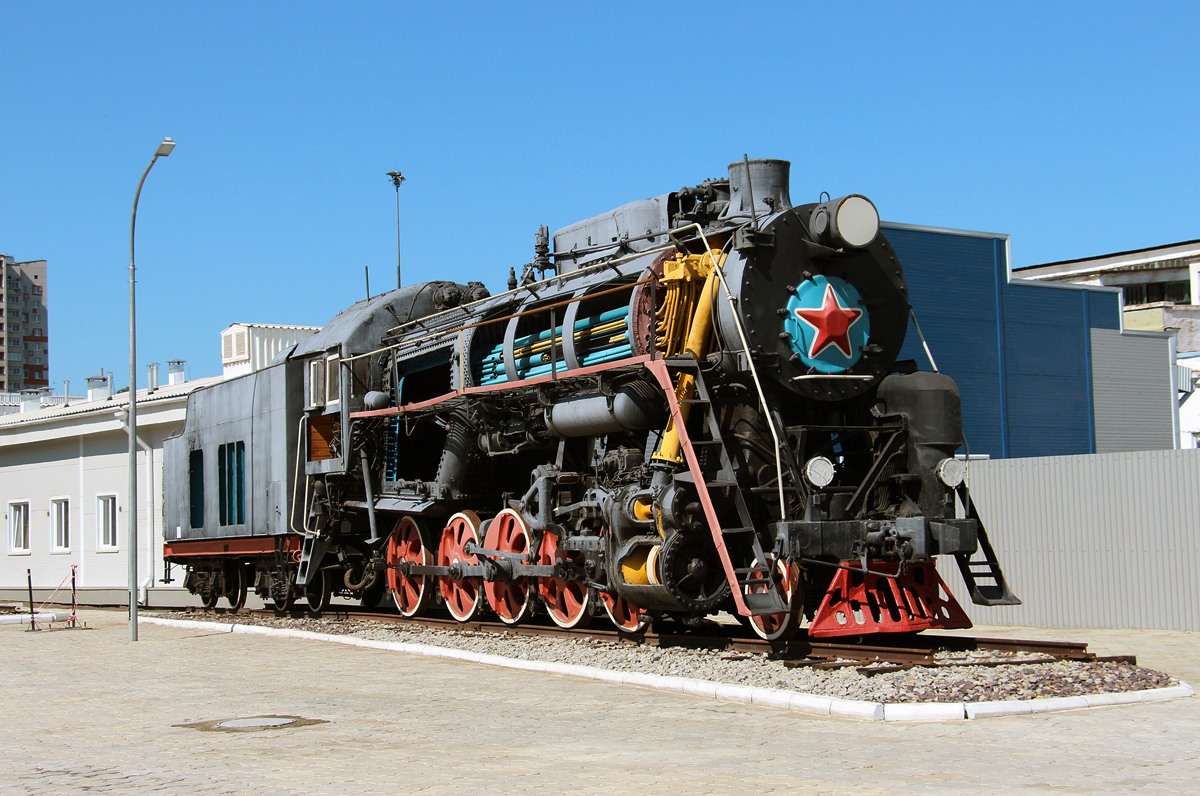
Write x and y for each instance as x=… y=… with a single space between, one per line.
x=765 y=602
x=997 y=592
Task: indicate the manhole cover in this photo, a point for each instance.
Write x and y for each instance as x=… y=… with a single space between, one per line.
x=262 y=721
x=251 y=724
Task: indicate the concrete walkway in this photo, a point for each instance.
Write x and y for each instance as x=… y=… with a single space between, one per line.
x=88 y=712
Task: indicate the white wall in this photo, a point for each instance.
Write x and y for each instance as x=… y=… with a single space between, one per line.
x=79 y=464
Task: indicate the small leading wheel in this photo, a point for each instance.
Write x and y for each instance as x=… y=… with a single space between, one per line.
x=625 y=615
x=282 y=597
x=569 y=602
x=464 y=598
x=409 y=543
x=319 y=591
x=780 y=627
x=235 y=586
x=211 y=596
x=508 y=533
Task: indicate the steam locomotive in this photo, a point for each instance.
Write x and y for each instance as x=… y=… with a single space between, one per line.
x=690 y=404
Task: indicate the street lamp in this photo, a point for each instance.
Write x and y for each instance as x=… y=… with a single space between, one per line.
x=397 y=178
x=163 y=150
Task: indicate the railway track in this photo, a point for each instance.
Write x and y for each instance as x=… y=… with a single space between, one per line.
x=872 y=655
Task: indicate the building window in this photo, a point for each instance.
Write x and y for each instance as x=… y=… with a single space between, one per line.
x=37 y=290
x=1179 y=292
x=316 y=382
x=235 y=346
x=231 y=473
x=37 y=332
x=196 y=487
x=333 y=379
x=106 y=522
x=60 y=524
x=18 y=528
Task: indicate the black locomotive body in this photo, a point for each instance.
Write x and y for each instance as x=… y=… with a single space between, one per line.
x=692 y=404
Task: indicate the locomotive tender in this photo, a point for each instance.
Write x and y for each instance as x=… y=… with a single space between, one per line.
x=691 y=404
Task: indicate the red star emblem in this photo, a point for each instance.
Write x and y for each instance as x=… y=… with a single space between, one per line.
x=831 y=321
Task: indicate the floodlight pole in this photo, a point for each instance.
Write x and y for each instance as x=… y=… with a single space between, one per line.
x=397 y=178
x=164 y=149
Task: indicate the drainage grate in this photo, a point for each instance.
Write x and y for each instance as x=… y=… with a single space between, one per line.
x=251 y=724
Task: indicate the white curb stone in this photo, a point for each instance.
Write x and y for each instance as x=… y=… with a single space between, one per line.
x=767 y=697
x=810 y=703
x=988 y=710
x=734 y=693
x=1103 y=700
x=704 y=688
x=1057 y=703
x=855 y=709
x=924 y=711
x=772 y=697
x=1171 y=692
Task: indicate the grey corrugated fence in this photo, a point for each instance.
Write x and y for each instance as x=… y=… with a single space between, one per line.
x=1106 y=541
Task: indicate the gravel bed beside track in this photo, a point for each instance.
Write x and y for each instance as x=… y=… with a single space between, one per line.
x=1034 y=677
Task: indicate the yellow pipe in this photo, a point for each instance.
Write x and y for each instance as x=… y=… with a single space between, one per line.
x=579 y=336
x=699 y=333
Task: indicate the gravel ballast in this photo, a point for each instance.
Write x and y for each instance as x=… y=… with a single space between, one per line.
x=1025 y=677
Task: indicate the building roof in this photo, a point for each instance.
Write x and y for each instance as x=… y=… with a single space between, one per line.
x=1148 y=254
x=164 y=394
x=273 y=326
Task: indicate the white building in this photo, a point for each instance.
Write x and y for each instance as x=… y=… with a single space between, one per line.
x=247 y=347
x=63 y=489
x=64 y=479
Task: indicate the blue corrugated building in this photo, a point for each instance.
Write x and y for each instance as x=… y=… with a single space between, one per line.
x=1044 y=369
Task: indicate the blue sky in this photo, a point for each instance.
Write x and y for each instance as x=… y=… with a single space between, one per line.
x=1070 y=126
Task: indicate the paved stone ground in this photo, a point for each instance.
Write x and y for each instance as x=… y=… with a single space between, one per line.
x=88 y=712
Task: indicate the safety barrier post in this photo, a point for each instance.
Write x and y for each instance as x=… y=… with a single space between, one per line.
x=32 y=622
x=74 y=597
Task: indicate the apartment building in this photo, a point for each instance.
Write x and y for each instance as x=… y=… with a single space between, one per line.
x=25 y=362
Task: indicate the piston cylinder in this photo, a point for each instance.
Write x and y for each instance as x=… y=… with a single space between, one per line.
x=635 y=407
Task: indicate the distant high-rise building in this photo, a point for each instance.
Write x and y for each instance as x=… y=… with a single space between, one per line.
x=25 y=331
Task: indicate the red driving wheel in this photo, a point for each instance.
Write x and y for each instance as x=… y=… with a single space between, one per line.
x=464 y=598
x=568 y=602
x=508 y=533
x=624 y=614
x=409 y=543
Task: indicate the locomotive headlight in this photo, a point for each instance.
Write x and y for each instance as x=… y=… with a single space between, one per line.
x=851 y=221
x=818 y=471
x=951 y=472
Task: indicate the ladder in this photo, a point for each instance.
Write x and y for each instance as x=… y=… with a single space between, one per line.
x=997 y=591
x=718 y=474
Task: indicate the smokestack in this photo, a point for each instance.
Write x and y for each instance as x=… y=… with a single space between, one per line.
x=175 y=374
x=152 y=377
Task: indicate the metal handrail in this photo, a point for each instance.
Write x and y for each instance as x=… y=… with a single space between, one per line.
x=737 y=322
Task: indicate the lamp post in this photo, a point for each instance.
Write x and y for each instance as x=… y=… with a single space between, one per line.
x=397 y=178
x=163 y=150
